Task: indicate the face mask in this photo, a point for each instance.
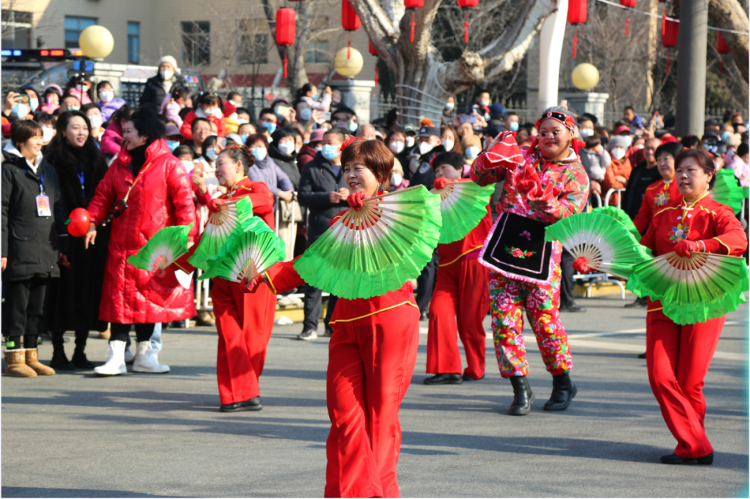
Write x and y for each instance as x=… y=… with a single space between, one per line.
x=330 y=152
x=485 y=103
x=448 y=144
x=425 y=147
x=214 y=111
x=725 y=137
x=96 y=122
x=259 y=153
x=305 y=114
x=211 y=155
x=20 y=110
x=353 y=126
x=396 y=147
x=106 y=96
x=449 y=106
x=243 y=138
x=396 y=179
x=286 y=148
x=585 y=132
x=173 y=144
x=472 y=152
x=297 y=149
x=629 y=140
x=47 y=134
x=639 y=146
x=242 y=121
x=188 y=165
x=34 y=104
x=336 y=102
x=409 y=141
x=73 y=108
x=235 y=104
x=617 y=153
x=270 y=127
x=514 y=127
x=319 y=148
x=166 y=74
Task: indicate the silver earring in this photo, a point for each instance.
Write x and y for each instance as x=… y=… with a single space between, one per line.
x=380 y=187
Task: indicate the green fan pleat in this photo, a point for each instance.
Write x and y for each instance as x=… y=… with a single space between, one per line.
x=164 y=247
x=251 y=249
x=622 y=217
x=463 y=205
x=727 y=191
x=215 y=234
x=607 y=245
x=690 y=296
x=393 y=248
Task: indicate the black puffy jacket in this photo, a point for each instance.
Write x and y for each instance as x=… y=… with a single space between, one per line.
x=316 y=183
x=153 y=93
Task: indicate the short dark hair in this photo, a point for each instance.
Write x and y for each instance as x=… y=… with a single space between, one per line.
x=198 y=120
x=209 y=99
x=265 y=111
x=87 y=107
x=179 y=92
x=338 y=131
x=704 y=160
x=147 y=124
x=672 y=148
x=45 y=119
x=593 y=141
x=374 y=155
x=451 y=158
x=252 y=139
x=180 y=150
x=123 y=113
x=244 y=110
x=231 y=95
x=629 y=108
x=101 y=84
x=281 y=133
x=742 y=149
x=23 y=130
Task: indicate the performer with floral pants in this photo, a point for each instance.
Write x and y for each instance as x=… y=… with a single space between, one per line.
x=543 y=184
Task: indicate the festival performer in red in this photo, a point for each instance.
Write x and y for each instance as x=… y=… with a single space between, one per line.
x=461 y=289
x=244 y=321
x=543 y=184
x=678 y=357
x=659 y=194
x=145 y=190
x=372 y=355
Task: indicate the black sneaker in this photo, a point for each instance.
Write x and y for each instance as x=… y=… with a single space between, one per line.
x=60 y=362
x=81 y=362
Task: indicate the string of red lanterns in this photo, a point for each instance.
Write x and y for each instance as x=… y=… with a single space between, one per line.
x=577 y=14
x=350 y=21
x=286 y=30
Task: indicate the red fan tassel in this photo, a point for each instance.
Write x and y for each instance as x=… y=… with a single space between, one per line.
x=411 y=38
x=721 y=68
x=627 y=26
x=376 y=76
x=668 y=65
x=285 y=61
x=664 y=21
x=466 y=28
x=349 y=47
x=575 y=42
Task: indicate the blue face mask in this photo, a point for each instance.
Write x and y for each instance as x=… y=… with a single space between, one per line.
x=259 y=153
x=34 y=103
x=244 y=138
x=330 y=152
x=270 y=127
x=514 y=127
x=725 y=137
x=20 y=110
x=173 y=144
x=352 y=126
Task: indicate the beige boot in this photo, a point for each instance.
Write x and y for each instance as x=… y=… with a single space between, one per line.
x=16 y=364
x=204 y=319
x=32 y=360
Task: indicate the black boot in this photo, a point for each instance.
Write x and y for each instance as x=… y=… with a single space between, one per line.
x=523 y=397
x=563 y=391
x=675 y=459
x=79 y=357
x=248 y=405
x=59 y=360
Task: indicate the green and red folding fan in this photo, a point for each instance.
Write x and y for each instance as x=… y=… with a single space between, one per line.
x=377 y=249
x=164 y=247
x=608 y=247
x=620 y=216
x=251 y=250
x=462 y=206
x=219 y=227
x=726 y=190
x=692 y=289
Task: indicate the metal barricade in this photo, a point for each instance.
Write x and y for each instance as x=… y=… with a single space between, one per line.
x=619 y=198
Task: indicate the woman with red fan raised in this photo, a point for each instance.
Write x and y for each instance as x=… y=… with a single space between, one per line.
x=543 y=184
x=678 y=356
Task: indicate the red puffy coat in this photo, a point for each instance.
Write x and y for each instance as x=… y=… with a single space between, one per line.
x=161 y=198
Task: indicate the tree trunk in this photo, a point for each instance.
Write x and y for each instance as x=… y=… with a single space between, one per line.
x=295 y=54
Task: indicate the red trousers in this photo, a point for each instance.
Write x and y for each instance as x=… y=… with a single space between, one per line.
x=370 y=366
x=461 y=289
x=244 y=322
x=678 y=358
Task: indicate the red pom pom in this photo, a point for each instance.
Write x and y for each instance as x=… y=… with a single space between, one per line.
x=79 y=222
x=570 y=122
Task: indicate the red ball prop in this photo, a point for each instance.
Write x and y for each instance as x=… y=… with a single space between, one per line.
x=78 y=223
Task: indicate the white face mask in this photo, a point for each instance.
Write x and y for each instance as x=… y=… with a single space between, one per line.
x=319 y=148
x=214 y=111
x=449 y=106
x=47 y=134
x=585 y=132
x=425 y=147
x=397 y=146
x=629 y=139
x=106 y=96
x=96 y=121
x=286 y=148
x=409 y=141
x=485 y=103
x=617 y=152
x=166 y=74
x=396 y=179
x=211 y=155
x=259 y=153
x=448 y=144
x=472 y=152
x=188 y=165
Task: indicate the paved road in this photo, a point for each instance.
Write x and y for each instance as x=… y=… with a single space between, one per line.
x=74 y=435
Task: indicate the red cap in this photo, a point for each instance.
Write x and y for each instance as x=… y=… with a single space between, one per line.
x=229 y=108
x=622 y=128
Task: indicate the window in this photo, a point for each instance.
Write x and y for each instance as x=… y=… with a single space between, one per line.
x=253 y=42
x=317 y=47
x=73 y=28
x=134 y=42
x=16 y=29
x=196 y=43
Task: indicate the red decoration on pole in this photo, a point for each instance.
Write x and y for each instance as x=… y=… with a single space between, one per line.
x=669 y=35
x=467 y=4
x=628 y=4
x=577 y=14
x=627 y=26
x=721 y=69
x=413 y=4
x=376 y=75
x=350 y=22
x=575 y=42
x=721 y=44
x=286 y=31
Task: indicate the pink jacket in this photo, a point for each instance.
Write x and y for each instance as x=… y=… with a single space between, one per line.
x=173 y=113
x=112 y=139
x=324 y=105
x=85 y=99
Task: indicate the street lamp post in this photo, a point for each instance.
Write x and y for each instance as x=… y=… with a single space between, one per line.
x=691 y=68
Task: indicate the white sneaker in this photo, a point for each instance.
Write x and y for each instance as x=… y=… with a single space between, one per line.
x=129 y=357
x=284 y=301
x=307 y=335
x=146 y=361
x=115 y=364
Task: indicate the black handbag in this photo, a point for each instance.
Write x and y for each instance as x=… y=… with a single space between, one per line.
x=516 y=248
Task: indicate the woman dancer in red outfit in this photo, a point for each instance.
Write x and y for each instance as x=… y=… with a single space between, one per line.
x=678 y=356
x=244 y=321
x=371 y=356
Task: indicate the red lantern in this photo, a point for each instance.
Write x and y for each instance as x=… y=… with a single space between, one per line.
x=664 y=18
x=350 y=22
x=722 y=48
x=373 y=51
x=669 y=34
x=286 y=28
x=413 y=4
x=627 y=4
x=78 y=223
x=577 y=11
x=466 y=5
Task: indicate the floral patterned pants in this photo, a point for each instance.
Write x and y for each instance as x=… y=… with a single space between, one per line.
x=542 y=302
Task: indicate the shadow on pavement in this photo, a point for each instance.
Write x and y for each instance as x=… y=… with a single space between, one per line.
x=45 y=492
